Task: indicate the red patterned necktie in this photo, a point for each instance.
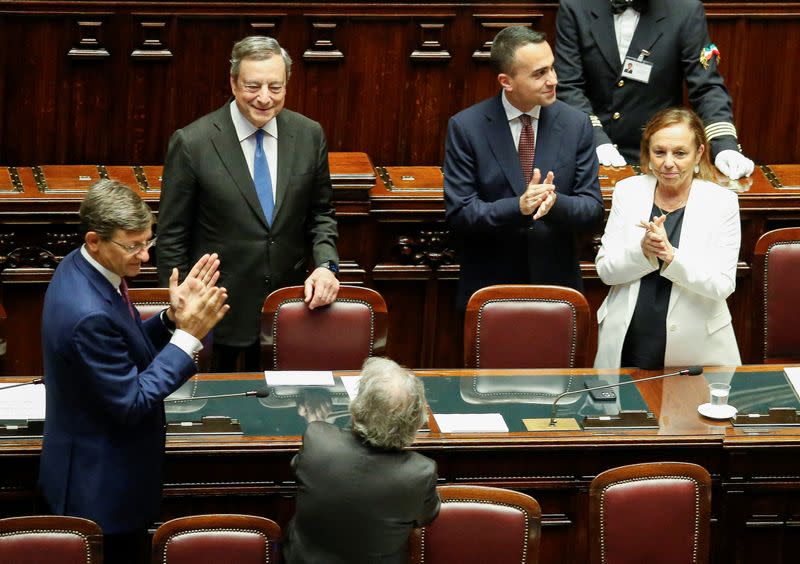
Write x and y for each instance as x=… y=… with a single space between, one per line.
x=526 y=148
x=123 y=291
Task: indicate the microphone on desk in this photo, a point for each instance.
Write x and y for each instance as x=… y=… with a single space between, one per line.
x=552 y=424
x=28 y=383
x=262 y=393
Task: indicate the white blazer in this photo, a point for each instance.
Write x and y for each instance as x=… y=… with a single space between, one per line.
x=703 y=274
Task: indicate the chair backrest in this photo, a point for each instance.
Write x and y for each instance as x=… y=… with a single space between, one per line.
x=655 y=512
x=210 y=539
x=522 y=326
x=477 y=525
x=339 y=336
x=776 y=265
x=151 y=301
x=50 y=539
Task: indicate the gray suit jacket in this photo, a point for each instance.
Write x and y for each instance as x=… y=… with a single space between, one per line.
x=357 y=504
x=590 y=73
x=209 y=204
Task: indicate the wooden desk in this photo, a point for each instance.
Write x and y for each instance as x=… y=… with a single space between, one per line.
x=756 y=495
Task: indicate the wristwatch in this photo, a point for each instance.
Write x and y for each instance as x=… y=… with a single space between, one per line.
x=332 y=266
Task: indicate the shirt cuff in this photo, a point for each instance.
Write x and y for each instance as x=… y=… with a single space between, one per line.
x=186 y=342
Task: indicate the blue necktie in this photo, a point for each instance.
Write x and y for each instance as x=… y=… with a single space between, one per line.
x=262 y=178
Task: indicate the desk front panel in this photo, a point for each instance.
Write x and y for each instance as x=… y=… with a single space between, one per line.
x=756 y=485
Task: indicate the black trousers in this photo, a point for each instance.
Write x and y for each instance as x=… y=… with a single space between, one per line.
x=126 y=548
x=226 y=358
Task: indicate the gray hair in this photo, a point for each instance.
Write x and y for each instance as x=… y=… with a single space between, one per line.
x=258 y=48
x=110 y=205
x=390 y=406
x=506 y=43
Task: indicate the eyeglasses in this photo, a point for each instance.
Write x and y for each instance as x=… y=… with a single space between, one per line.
x=136 y=249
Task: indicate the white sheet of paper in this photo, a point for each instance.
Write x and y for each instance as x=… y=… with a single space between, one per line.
x=25 y=402
x=322 y=378
x=793 y=375
x=471 y=422
x=350 y=384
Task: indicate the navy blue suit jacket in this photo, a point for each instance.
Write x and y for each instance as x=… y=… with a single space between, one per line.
x=105 y=380
x=483 y=182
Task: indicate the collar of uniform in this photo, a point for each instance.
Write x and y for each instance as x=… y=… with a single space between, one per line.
x=113 y=278
x=245 y=129
x=513 y=113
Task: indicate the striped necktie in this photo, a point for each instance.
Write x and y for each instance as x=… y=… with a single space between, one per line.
x=526 y=148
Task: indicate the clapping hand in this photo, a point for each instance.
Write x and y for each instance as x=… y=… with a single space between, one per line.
x=197 y=304
x=539 y=197
x=655 y=242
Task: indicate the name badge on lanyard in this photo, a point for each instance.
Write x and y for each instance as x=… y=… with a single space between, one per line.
x=637 y=69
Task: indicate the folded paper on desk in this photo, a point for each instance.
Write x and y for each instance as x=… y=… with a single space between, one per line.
x=471 y=422
x=793 y=375
x=323 y=378
x=23 y=403
x=350 y=384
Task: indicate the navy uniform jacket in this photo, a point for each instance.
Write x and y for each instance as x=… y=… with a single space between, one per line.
x=590 y=73
x=356 y=503
x=483 y=182
x=106 y=375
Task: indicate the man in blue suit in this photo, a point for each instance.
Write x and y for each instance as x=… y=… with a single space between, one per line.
x=107 y=372
x=520 y=175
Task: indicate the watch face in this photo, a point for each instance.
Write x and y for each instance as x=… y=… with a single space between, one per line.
x=333 y=267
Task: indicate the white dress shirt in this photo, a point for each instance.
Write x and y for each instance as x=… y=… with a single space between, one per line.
x=246 y=132
x=515 y=123
x=624 y=28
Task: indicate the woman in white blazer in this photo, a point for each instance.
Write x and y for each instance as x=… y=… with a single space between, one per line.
x=669 y=253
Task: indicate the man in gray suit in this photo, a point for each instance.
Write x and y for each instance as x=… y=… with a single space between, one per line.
x=251 y=181
x=359 y=493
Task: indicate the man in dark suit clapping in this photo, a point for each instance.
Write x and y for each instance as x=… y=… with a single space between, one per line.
x=251 y=182
x=520 y=175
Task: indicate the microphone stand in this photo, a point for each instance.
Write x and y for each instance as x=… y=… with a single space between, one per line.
x=693 y=371
x=257 y=393
x=28 y=383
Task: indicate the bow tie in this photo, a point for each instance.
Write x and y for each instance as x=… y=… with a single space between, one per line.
x=620 y=6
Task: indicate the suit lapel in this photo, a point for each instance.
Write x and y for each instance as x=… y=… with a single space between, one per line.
x=501 y=143
x=286 y=156
x=122 y=315
x=227 y=145
x=602 y=29
x=647 y=31
x=548 y=137
x=640 y=210
x=693 y=231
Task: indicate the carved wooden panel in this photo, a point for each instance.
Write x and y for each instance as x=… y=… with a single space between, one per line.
x=89 y=40
x=152 y=44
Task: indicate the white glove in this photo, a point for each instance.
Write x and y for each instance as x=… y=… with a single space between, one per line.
x=733 y=164
x=608 y=155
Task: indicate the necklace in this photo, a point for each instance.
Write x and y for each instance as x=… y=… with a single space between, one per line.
x=676 y=208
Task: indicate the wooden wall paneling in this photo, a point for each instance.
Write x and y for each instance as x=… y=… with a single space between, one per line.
x=427 y=92
x=151 y=95
x=198 y=80
x=761 y=49
x=68 y=106
x=319 y=87
x=37 y=48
